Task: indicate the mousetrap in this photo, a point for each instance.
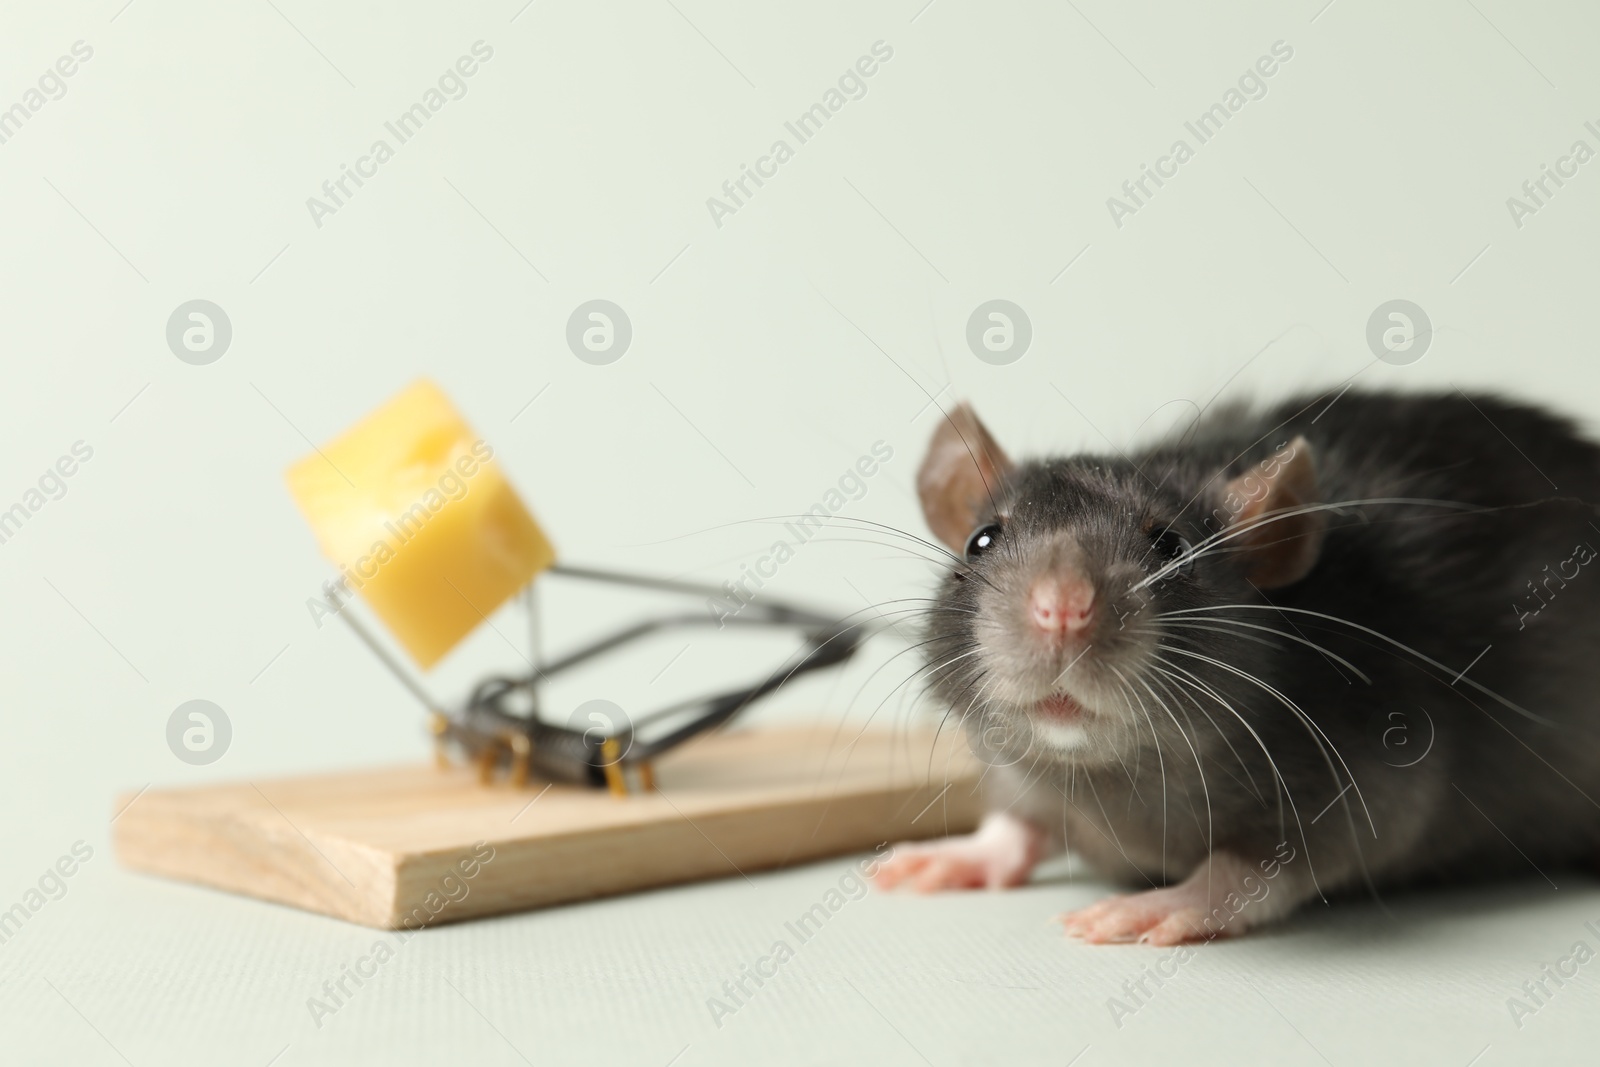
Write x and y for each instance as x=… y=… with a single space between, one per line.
x=391 y=847
x=427 y=532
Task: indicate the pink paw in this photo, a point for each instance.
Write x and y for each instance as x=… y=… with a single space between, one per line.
x=1001 y=854
x=1169 y=916
x=1222 y=897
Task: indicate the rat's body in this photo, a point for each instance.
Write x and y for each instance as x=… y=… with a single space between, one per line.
x=1091 y=641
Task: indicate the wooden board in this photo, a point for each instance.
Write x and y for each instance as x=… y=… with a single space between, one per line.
x=399 y=847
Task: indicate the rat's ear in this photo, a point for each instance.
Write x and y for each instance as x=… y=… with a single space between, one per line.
x=959 y=476
x=1277 y=551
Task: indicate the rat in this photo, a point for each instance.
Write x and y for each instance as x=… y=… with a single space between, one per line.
x=1296 y=652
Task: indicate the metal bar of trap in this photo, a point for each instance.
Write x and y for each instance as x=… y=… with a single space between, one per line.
x=824 y=631
x=412 y=685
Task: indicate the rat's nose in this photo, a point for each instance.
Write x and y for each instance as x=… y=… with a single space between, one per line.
x=1060 y=605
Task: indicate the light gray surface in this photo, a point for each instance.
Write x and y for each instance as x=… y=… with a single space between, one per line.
x=176 y=166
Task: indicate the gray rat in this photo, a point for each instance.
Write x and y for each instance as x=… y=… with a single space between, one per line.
x=1329 y=646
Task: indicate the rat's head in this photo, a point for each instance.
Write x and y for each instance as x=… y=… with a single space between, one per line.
x=1045 y=635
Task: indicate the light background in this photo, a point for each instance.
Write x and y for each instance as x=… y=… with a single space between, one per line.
x=768 y=353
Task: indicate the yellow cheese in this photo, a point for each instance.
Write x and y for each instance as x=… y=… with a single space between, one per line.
x=412 y=507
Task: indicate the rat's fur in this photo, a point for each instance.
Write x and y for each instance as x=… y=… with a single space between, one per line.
x=1168 y=769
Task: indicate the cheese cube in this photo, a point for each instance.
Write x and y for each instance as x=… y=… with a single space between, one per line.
x=412 y=507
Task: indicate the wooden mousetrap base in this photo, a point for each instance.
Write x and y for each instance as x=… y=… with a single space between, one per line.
x=391 y=848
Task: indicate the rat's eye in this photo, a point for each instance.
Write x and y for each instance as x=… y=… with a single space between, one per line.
x=982 y=539
x=1172 y=545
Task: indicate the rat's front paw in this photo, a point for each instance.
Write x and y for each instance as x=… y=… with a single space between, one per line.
x=1223 y=896
x=1156 y=917
x=1001 y=854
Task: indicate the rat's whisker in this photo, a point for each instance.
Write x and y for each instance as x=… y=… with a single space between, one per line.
x=850 y=705
x=1133 y=785
x=1111 y=824
x=1195 y=626
x=956 y=561
x=1383 y=637
x=1179 y=696
x=1210 y=829
x=945 y=718
x=1223 y=619
x=901 y=550
x=1138 y=750
x=1277 y=773
x=1324 y=742
x=938 y=548
x=1154 y=453
x=1240 y=529
x=1161 y=763
x=833 y=742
